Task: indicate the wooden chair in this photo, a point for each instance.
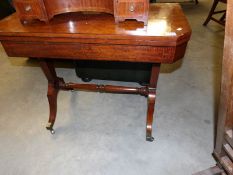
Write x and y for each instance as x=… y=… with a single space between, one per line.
x=212 y=12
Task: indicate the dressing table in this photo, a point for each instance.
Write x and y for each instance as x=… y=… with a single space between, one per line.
x=78 y=36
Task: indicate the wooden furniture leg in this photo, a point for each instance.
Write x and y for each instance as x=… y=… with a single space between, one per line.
x=54 y=84
x=215 y=3
x=213 y=12
x=151 y=100
x=223 y=18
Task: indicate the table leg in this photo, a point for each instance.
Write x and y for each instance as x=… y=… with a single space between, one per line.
x=151 y=100
x=54 y=83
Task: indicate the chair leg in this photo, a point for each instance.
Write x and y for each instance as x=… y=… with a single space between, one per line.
x=222 y=19
x=211 y=12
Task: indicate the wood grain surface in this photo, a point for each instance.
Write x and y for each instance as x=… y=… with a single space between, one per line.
x=97 y=37
x=44 y=10
x=164 y=40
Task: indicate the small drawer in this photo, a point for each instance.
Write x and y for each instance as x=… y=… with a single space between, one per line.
x=131 y=9
x=30 y=9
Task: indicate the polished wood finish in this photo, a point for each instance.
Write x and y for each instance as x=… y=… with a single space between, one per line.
x=30 y=9
x=55 y=84
x=85 y=37
x=107 y=88
x=89 y=51
x=151 y=100
x=76 y=36
x=44 y=10
x=53 y=88
x=64 y=6
x=128 y=9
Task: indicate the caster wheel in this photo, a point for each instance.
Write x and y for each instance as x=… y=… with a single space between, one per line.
x=86 y=79
x=50 y=128
x=52 y=131
x=150 y=139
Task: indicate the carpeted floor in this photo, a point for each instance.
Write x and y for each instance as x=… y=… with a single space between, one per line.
x=104 y=134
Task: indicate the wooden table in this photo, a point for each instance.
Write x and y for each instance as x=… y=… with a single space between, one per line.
x=96 y=37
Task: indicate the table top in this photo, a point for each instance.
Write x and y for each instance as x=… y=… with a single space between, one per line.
x=167 y=26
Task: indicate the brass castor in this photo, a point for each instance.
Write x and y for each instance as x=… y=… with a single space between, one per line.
x=52 y=131
x=50 y=128
x=150 y=139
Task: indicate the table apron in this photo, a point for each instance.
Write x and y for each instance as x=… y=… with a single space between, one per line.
x=83 y=51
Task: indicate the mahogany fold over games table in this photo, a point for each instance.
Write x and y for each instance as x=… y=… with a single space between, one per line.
x=85 y=36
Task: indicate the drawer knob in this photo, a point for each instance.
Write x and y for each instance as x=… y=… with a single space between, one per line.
x=28 y=8
x=131 y=7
